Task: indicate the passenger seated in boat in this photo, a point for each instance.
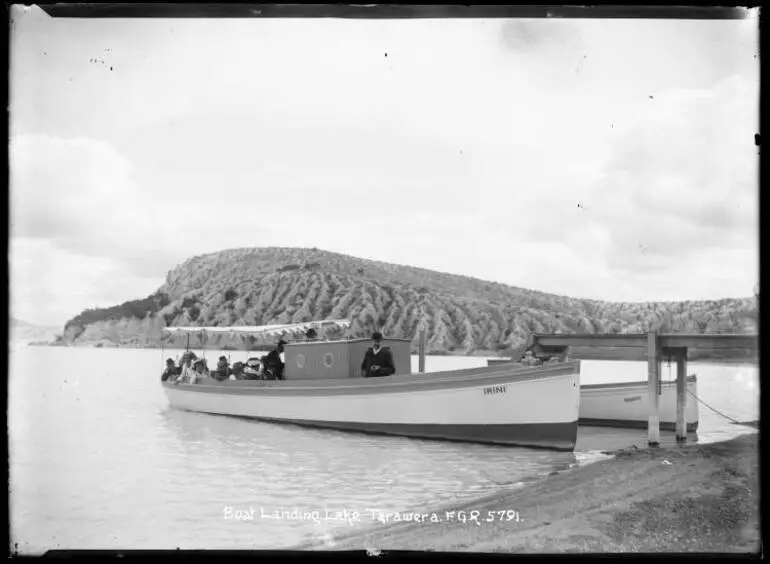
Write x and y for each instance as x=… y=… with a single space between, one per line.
x=267 y=373
x=237 y=372
x=186 y=374
x=200 y=369
x=529 y=359
x=311 y=335
x=273 y=362
x=171 y=370
x=378 y=360
x=252 y=370
x=223 y=370
x=187 y=356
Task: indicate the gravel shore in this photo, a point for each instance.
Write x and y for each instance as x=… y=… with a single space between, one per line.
x=695 y=498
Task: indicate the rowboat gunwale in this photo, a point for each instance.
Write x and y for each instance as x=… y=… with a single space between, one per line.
x=635 y=384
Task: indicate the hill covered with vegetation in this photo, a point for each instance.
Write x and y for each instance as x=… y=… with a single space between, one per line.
x=260 y=286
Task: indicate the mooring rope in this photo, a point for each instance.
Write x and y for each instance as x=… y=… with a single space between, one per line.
x=714 y=410
x=700 y=400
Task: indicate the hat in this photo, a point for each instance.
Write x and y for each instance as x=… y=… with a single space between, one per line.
x=376 y=336
x=281 y=342
x=222 y=357
x=169 y=361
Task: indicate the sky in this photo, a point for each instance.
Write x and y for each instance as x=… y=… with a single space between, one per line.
x=594 y=158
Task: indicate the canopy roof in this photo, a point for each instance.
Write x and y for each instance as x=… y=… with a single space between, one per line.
x=264 y=329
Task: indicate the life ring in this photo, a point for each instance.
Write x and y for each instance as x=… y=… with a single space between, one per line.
x=328 y=360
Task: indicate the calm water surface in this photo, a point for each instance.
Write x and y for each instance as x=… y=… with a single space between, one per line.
x=99 y=460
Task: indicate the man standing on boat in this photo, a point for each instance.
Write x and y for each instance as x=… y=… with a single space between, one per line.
x=378 y=360
x=274 y=362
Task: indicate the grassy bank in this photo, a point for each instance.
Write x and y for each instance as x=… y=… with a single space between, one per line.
x=697 y=498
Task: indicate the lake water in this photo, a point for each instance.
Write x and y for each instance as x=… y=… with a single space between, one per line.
x=99 y=460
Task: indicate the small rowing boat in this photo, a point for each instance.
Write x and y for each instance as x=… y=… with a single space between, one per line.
x=323 y=387
x=626 y=404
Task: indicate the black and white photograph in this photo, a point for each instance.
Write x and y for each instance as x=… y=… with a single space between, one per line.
x=382 y=278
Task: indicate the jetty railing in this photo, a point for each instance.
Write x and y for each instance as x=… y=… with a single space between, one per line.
x=652 y=348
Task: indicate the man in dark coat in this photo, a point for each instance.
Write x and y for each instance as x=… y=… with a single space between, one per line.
x=223 y=369
x=378 y=360
x=273 y=360
x=170 y=371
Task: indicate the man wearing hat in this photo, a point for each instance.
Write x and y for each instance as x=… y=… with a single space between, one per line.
x=378 y=360
x=170 y=370
x=274 y=362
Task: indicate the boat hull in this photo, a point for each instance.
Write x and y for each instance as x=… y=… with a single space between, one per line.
x=530 y=407
x=627 y=405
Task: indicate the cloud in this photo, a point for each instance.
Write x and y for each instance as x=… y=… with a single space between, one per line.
x=537 y=36
x=680 y=179
x=545 y=53
x=50 y=285
x=80 y=195
x=686 y=174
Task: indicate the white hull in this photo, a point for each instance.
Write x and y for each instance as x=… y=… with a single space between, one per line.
x=627 y=405
x=504 y=405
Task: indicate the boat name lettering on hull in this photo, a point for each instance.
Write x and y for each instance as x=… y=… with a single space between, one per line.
x=489 y=390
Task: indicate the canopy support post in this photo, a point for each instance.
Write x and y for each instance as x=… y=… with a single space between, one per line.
x=422 y=351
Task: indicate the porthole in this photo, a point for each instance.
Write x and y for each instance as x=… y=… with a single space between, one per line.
x=328 y=360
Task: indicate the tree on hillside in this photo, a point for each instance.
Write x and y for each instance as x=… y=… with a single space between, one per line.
x=664 y=324
x=702 y=322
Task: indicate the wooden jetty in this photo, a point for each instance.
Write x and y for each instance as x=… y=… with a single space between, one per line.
x=650 y=347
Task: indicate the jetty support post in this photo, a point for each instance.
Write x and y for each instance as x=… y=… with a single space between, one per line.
x=422 y=350
x=681 y=395
x=653 y=379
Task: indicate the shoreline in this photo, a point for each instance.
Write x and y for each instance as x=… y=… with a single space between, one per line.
x=692 y=498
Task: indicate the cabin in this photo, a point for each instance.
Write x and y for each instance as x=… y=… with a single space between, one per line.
x=305 y=360
x=316 y=359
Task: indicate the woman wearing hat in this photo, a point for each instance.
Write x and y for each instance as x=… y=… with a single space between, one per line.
x=187 y=374
x=200 y=370
x=378 y=360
